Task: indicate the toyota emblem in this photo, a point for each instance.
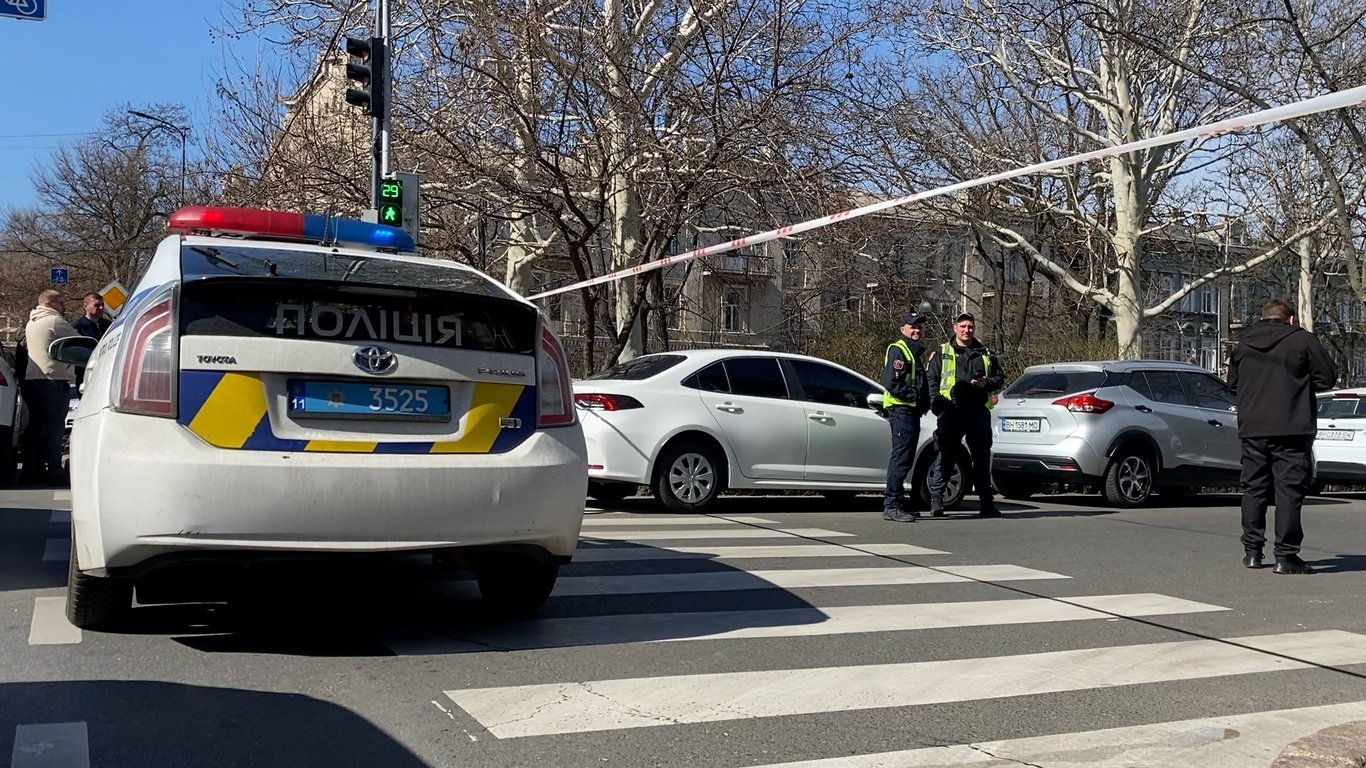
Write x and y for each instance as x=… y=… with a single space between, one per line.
x=376 y=360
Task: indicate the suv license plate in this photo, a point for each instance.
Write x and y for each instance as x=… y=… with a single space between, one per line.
x=351 y=400
x=1020 y=425
x=1335 y=434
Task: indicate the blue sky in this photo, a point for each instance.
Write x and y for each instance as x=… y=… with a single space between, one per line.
x=92 y=56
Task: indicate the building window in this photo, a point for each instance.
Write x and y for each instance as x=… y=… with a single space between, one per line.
x=792 y=251
x=730 y=312
x=1209 y=303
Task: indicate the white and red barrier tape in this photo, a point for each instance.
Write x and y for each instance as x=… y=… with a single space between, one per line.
x=1336 y=100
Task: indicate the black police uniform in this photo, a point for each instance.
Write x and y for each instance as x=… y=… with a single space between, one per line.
x=1274 y=372
x=903 y=376
x=964 y=411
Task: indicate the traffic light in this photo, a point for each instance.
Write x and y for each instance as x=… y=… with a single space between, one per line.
x=391 y=202
x=370 y=59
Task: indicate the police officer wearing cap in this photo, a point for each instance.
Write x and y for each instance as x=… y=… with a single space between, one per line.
x=963 y=375
x=906 y=399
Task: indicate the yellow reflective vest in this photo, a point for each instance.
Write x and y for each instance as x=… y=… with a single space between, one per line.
x=948 y=371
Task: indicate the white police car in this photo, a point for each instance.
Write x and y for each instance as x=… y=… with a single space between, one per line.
x=284 y=384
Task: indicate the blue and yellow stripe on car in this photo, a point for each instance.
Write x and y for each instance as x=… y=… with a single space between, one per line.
x=228 y=409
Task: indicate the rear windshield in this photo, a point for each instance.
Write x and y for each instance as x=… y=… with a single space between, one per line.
x=1054 y=383
x=639 y=368
x=1352 y=407
x=300 y=299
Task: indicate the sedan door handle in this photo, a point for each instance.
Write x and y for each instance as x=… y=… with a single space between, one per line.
x=819 y=417
x=1143 y=409
x=1216 y=423
x=728 y=408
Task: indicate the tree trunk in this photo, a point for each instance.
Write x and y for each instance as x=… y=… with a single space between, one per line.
x=1304 y=298
x=1126 y=240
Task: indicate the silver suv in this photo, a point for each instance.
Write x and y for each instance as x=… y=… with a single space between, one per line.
x=1129 y=427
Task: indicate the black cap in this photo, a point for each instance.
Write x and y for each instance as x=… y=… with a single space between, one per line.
x=965 y=316
x=913 y=318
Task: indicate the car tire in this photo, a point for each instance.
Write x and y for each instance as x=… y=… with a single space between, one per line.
x=609 y=494
x=1015 y=487
x=955 y=490
x=1130 y=479
x=688 y=477
x=93 y=602
x=516 y=586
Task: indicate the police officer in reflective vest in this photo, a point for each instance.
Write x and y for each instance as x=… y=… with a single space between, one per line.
x=905 y=401
x=963 y=376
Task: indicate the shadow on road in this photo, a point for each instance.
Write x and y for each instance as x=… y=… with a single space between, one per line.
x=1340 y=564
x=137 y=724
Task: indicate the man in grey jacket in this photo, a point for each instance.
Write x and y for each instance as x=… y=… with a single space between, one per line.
x=47 y=390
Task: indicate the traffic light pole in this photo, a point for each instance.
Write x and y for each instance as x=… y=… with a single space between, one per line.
x=379 y=155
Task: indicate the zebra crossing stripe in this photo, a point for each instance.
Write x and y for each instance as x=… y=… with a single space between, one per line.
x=723 y=581
x=604 y=554
x=601 y=705
x=1237 y=741
x=601 y=521
x=792 y=622
x=720 y=533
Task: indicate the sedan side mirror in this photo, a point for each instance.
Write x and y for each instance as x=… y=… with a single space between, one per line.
x=874 y=400
x=73 y=350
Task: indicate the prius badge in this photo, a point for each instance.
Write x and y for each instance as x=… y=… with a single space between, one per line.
x=376 y=360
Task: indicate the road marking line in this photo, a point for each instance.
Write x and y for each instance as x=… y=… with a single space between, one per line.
x=51 y=745
x=1236 y=741
x=720 y=581
x=61 y=495
x=721 y=533
x=791 y=622
x=50 y=626
x=615 y=554
x=57 y=550
x=601 y=705
x=594 y=522
x=60 y=516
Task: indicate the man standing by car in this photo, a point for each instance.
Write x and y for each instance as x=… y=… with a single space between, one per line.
x=1275 y=370
x=963 y=375
x=46 y=389
x=92 y=324
x=906 y=400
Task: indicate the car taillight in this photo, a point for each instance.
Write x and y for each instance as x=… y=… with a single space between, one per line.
x=597 y=401
x=556 y=406
x=1085 y=403
x=147 y=381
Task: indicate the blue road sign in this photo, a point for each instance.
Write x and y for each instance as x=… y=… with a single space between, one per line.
x=60 y=275
x=33 y=10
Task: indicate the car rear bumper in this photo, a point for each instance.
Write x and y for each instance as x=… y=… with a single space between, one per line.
x=145 y=490
x=1340 y=471
x=612 y=454
x=1058 y=469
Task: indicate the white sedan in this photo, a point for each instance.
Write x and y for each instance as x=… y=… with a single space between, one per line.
x=694 y=423
x=1340 y=447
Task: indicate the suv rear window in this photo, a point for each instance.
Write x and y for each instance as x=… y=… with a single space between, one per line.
x=639 y=368
x=1054 y=383
x=1349 y=407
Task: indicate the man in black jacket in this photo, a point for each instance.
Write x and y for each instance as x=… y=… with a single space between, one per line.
x=906 y=400
x=1275 y=370
x=963 y=374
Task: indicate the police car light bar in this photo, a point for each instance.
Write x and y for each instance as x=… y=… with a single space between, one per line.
x=312 y=227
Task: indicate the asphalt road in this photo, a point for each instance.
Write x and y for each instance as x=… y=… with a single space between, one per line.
x=777 y=631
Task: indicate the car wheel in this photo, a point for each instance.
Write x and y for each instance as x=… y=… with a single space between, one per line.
x=1015 y=487
x=516 y=586
x=688 y=477
x=93 y=602
x=955 y=487
x=608 y=494
x=1130 y=479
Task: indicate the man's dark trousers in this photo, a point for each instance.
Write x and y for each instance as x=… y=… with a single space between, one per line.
x=1285 y=464
x=955 y=424
x=48 y=402
x=905 y=437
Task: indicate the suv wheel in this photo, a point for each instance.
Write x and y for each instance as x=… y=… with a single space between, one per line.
x=93 y=602
x=1130 y=478
x=516 y=586
x=688 y=477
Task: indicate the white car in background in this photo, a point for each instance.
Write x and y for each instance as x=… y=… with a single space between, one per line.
x=1340 y=446
x=692 y=424
x=10 y=419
